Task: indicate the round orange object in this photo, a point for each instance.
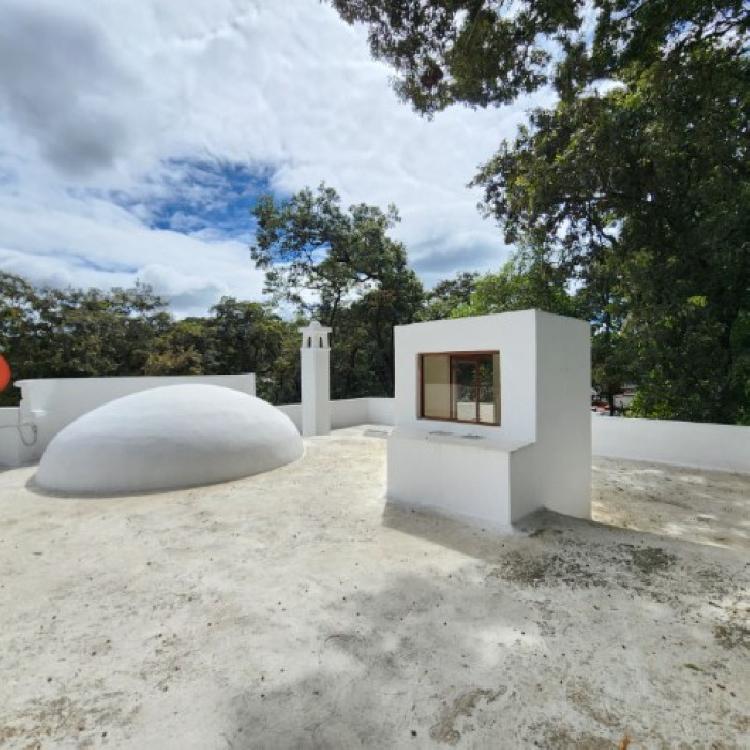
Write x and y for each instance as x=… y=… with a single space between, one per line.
x=4 y=373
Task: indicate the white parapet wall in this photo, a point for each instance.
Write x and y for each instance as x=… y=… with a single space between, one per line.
x=704 y=446
x=48 y=405
x=347 y=412
x=716 y=447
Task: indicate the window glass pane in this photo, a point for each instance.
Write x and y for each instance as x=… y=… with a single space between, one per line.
x=487 y=403
x=436 y=386
x=464 y=390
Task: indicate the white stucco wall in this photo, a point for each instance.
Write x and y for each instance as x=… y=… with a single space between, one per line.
x=294 y=412
x=450 y=475
x=704 y=446
x=344 y=413
x=347 y=412
x=53 y=403
x=555 y=471
x=10 y=438
x=380 y=410
x=350 y=411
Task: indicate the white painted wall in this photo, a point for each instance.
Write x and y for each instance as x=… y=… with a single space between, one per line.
x=344 y=413
x=704 y=446
x=10 y=436
x=555 y=472
x=294 y=412
x=349 y=412
x=380 y=410
x=450 y=475
x=52 y=403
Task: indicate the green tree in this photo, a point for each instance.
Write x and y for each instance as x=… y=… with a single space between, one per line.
x=447 y=295
x=77 y=333
x=251 y=337
x=317 y=254
x=471 y=51
x=528 y=280
x=644 y=195
x=183 y=349
x=363 y=340
x=342 y=267
x=640 y=195
x=48 y=333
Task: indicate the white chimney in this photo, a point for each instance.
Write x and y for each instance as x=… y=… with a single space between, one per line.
x=316 y=379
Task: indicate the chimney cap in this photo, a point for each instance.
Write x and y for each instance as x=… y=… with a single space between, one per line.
x=314 y=327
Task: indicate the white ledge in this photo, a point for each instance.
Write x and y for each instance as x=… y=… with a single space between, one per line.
x=448 y=437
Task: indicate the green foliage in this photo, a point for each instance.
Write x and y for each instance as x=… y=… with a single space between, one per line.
x=449 y=294
x=179 y=350
x=52 y=333
x=311 y=247
x=341 y=267
x=471 y=51
x=488 y=52
x=643 y=194
x=638 y=198
x=76 y=333
x=528 y=280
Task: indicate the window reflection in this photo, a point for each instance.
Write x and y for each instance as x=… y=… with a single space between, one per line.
x=461 y=387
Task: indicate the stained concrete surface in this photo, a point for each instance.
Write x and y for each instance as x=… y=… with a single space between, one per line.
x=292 y=610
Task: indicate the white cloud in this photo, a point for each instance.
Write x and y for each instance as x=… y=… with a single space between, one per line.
x=95 y=103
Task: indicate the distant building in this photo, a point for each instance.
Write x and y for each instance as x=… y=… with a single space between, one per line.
x=622 y=400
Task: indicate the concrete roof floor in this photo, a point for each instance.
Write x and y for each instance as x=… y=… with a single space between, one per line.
x=292 y=610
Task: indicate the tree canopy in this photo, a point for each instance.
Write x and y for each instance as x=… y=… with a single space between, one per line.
x=89 y=333
x=342 y=267
x=488 y=52
x=638 y=197
x=644 y=194
x=309 y=244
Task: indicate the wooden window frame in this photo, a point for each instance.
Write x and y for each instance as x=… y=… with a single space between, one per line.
x=466 y=355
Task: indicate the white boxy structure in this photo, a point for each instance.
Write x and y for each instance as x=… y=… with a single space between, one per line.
x=492 y=417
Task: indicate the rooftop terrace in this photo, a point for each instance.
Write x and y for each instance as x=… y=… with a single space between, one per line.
x=293 y=609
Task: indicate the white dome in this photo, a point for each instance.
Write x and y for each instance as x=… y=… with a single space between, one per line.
x=169 y=437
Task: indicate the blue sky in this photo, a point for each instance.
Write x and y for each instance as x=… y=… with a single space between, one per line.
x=134 y=141
x=211 y=198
